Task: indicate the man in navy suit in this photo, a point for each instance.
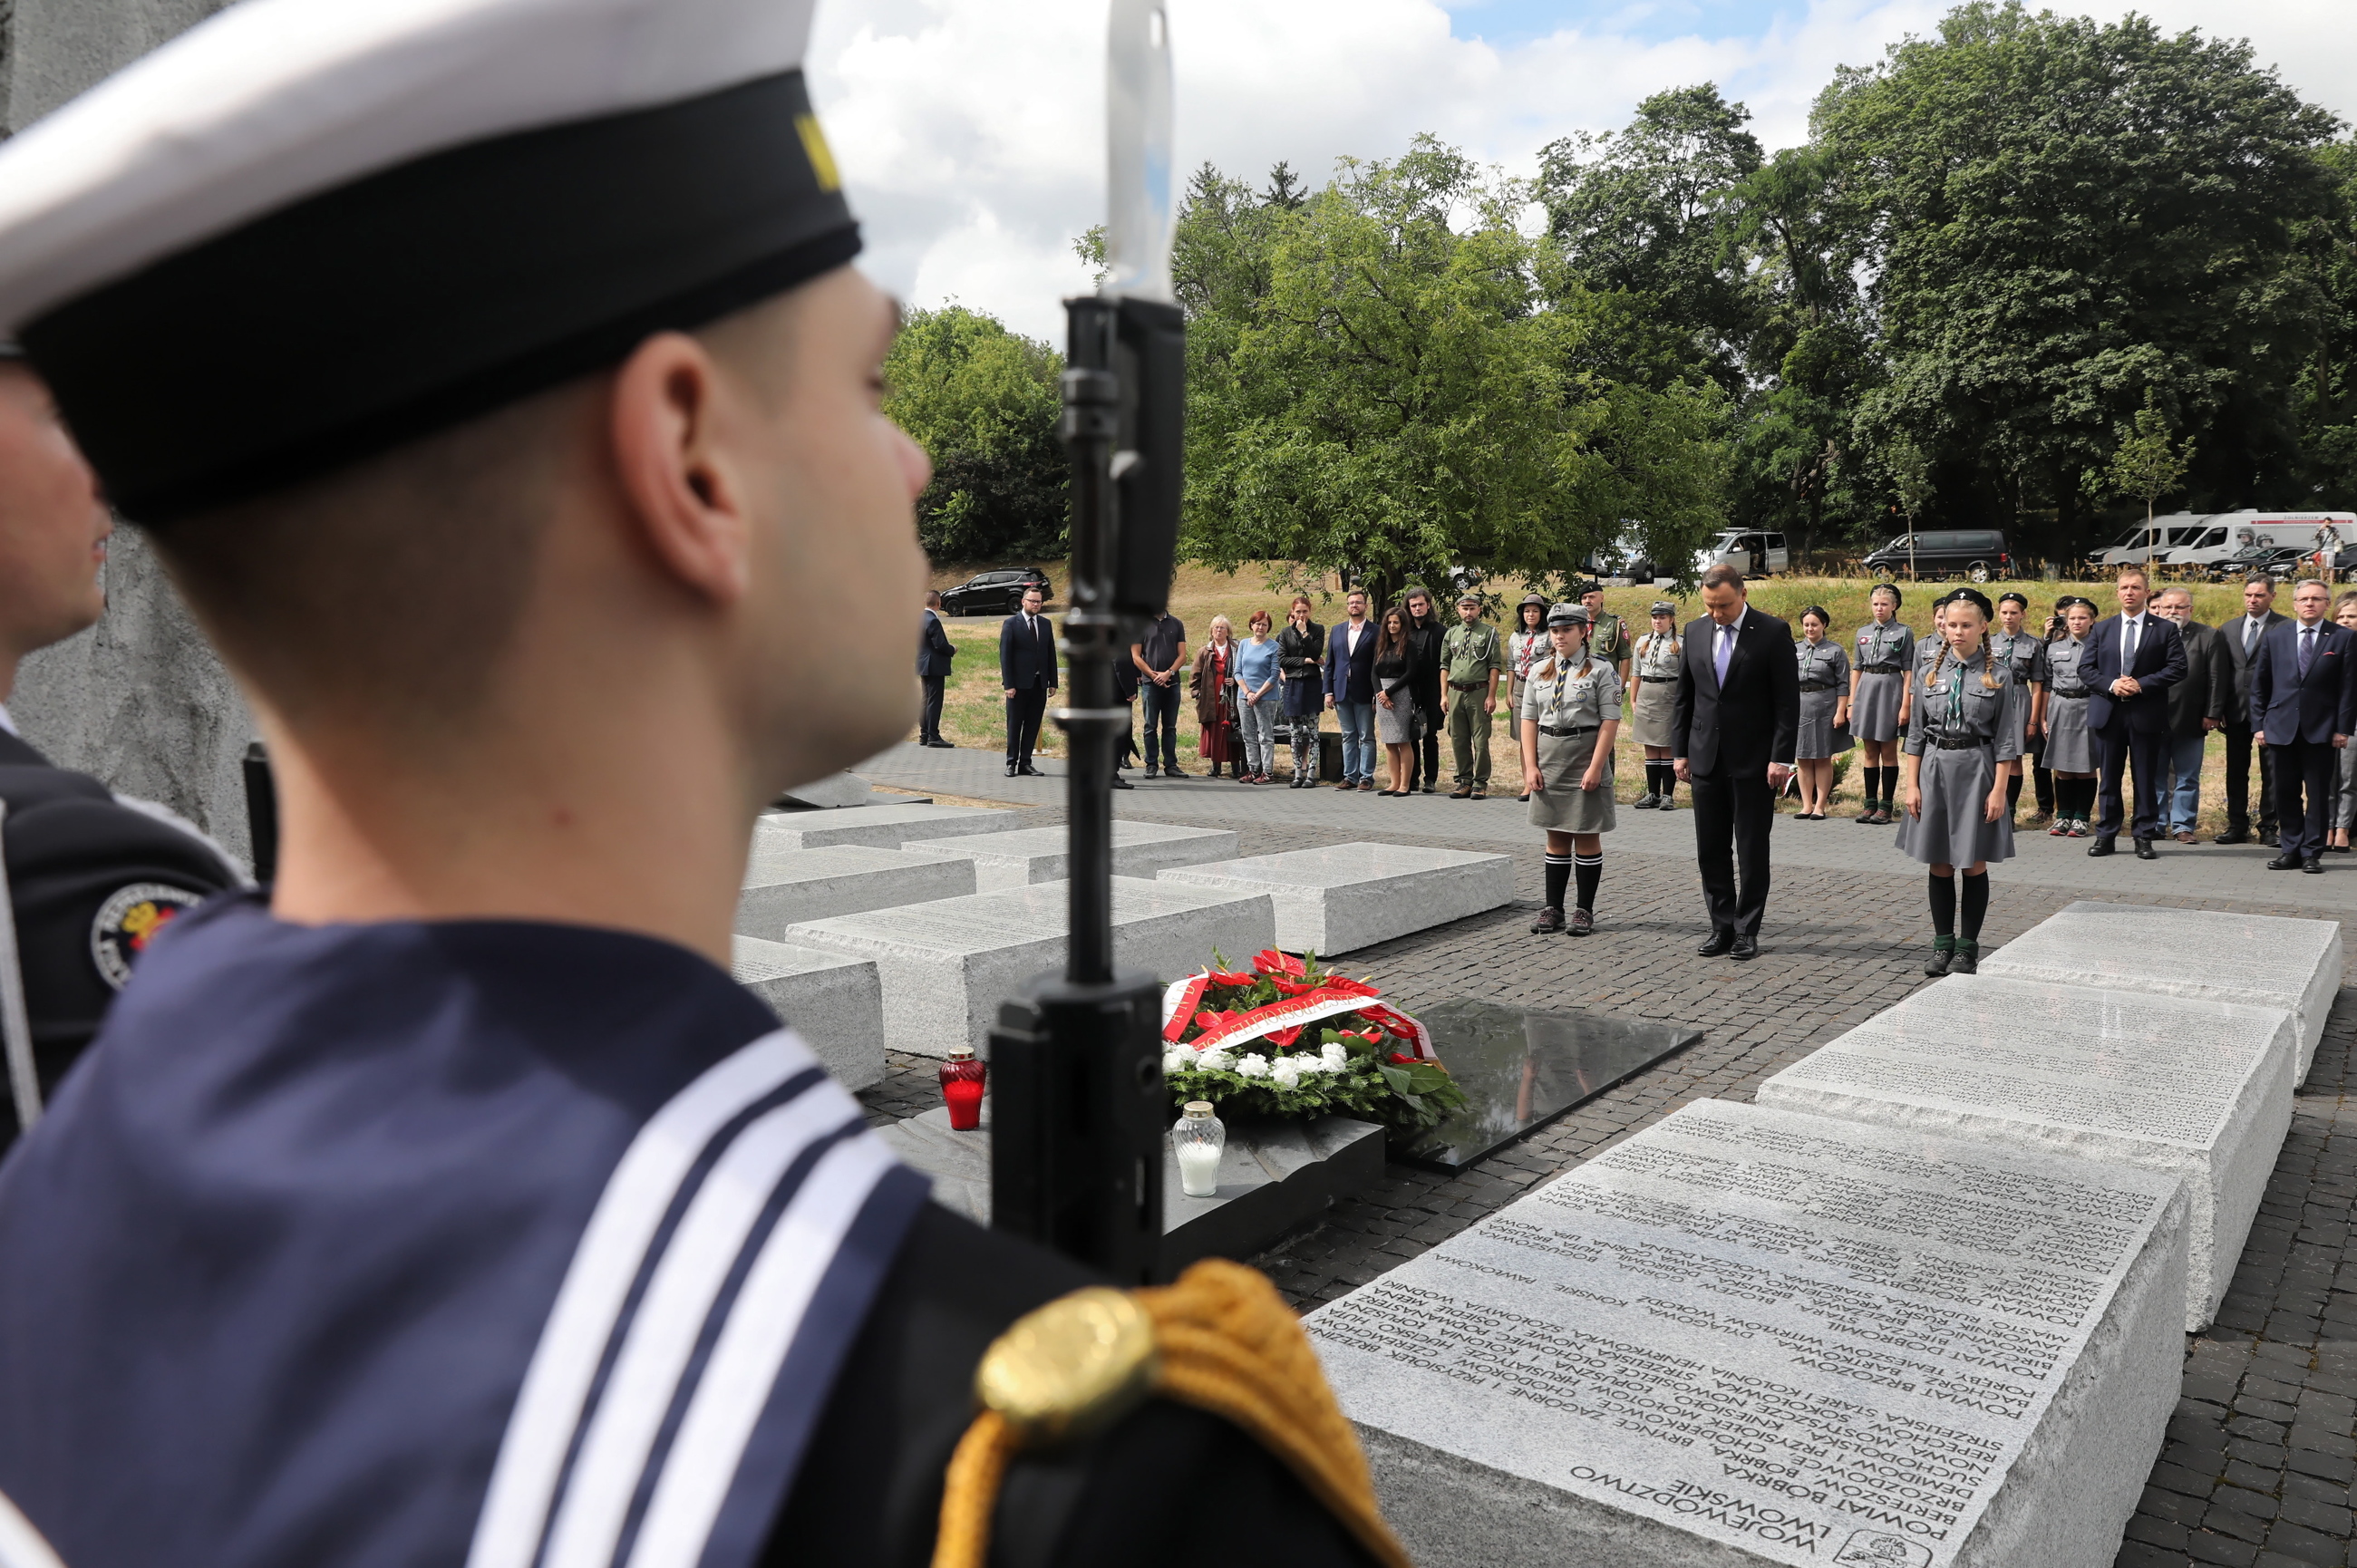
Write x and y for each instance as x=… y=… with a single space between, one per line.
x=1351 y=690
x=1026 y=668
x=1736 y=726
x=934 y=651
x=2304 y=703
x=2134 y=658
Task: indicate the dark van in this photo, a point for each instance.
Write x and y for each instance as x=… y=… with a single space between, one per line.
x=1976 y=554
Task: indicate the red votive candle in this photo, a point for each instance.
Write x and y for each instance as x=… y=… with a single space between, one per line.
x=961 y=1083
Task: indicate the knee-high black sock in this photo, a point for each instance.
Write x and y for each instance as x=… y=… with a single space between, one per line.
x=1558 y=875
x=1891 y=788
x=1943 y=905
x=2082 y=800
x=2012 y=793
x=1590 y=868
x=1976 y=904
x=1669 y=780
x=2042 y=779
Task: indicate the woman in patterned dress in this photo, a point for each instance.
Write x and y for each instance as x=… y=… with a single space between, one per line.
x=1215 y=670
x=1877 y=691
x=1653 y=705
x=1964 y=741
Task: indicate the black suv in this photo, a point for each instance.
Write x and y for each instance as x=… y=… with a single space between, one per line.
x=994 y=593
x=1978 y=554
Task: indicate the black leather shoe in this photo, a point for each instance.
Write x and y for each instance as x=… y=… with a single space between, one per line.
x=1720 y=942
x=2284 y=862
x=1121 y=783
x=942 y=745
x=2237 y=837
x=2102 y=846
x=2269 y=837
x=1030 y=772
x=1010 y=770
x=2145 y=850
x=1744 y=950
x=2313 y=866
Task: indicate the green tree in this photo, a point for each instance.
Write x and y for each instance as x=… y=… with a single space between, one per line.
x=2059 y=215
x=2327 y=393
x=1378 y=385
x=2146 y=464
x=984 y=401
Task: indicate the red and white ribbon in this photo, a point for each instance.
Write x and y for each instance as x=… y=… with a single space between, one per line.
x=1180 y=999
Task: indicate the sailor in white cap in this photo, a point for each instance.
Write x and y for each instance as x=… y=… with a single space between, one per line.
x=489 y=378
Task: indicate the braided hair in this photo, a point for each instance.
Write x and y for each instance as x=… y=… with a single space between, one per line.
x=1979 y=601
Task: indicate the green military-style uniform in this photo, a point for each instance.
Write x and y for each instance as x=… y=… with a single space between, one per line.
x=1471 y=660
x=1608 y=638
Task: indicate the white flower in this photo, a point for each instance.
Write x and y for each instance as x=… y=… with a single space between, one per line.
x=1286 y=1070
x=1333 y=1057
x=1213 y=1060
x=1253 y=1064
x=1179 y=1058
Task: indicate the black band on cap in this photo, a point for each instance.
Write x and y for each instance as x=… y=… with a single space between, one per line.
x=428 y=294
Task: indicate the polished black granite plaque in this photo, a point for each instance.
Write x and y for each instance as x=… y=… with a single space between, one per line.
x=1522 y=1067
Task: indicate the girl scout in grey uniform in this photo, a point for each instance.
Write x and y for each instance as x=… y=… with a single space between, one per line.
x=1964 y=739
x=1571 y=715
x=1654 y=710
x=1824 y=710
x=2027 y=653
x=1878 y=682
x=2070 y=749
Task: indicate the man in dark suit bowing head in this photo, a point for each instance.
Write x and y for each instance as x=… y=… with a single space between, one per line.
x=2304 y=707
x=1738 y=714
x=2133 y=659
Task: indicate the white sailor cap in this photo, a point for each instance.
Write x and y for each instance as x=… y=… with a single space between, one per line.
x=307 y=230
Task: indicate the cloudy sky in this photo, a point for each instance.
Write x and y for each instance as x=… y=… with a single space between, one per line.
x=970 y=130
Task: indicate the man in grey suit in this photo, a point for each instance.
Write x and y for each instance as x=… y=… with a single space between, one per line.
x=2240 y=637
x=2197 y=706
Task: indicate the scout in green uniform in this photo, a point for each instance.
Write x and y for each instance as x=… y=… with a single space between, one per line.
x=1571 y=715
x=1607 y=634
x=1471 y=660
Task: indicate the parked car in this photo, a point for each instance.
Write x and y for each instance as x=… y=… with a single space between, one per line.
x=1626 y=557
x=2153 y=541
x=2281 y=561
x=994 y=593
x=1977 y=553
x=1753 y=555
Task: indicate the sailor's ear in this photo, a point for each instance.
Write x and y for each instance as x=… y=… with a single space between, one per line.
x=674 y=472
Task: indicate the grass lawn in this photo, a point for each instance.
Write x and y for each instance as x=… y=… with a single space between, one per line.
x=974 y=710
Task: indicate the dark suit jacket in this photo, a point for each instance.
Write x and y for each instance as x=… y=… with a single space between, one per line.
x=1027 y=661
x=2238 y=693
x=1755 y=718
x=2159 y=664
x=2316 y=709
x=1424 y=663
x=934 y=649
x=2207 y=690
x=1351 y=677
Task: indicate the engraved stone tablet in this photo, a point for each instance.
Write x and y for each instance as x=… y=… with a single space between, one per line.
x=2260 y=961
x=1747 y=1335
x=1352 y=895
x=1041 y=854
x=832 y=1000
x=879 y=827
x=783 y=887
x=946 y=965
x=2167 y=1083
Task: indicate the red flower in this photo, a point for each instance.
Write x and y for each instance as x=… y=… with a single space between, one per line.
x=1349 y=987
x=1217 y=979
x=1290 y=987
x=1401 y=1058
x=1284 y=1037
x=1268 y=960
x=1206 y=1020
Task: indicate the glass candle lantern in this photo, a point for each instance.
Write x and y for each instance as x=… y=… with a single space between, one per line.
x=1197 y=1139
x=962 y=1085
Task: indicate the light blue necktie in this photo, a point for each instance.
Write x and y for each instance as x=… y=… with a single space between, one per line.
x=1726 y=651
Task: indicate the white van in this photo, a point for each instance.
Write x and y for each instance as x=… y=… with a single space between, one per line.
x=1753 y=555
x=2223 y=533
x=2152 y=541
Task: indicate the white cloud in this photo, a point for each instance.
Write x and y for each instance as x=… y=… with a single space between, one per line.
x=969 y=131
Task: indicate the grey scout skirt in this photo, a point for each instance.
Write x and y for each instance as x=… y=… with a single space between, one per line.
x=1875 y=715
x=1954 y=829
x=1656 y=715
x=1561 y=806
x=1818 y=738
x=2069 y=747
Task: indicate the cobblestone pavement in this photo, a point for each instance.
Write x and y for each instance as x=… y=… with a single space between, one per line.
x=2263 y=1450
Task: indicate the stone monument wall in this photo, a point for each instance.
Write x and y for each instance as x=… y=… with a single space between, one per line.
x=140 y=700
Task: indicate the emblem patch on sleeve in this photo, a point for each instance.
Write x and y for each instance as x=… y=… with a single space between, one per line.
x=128 y=920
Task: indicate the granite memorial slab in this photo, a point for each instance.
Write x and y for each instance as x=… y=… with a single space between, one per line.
x=875 y=827
x=786 y=885
x=2198 y=1089
x=1024 y=855
x=1522 y=1067
x=1274 y=1176
x=946 y=965
x=1352 y=896
x=833 y=1002
x=2258 y=960
x=1747 y=1335
x=833 y=792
